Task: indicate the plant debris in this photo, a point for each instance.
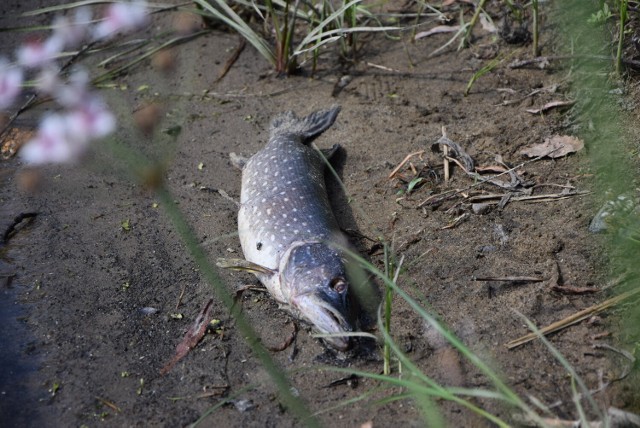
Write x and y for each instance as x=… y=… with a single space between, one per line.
x=192 y=338
x=14 y=139
x=13 y=228
x=572 y=319
x=437 y=30
x=554 y=147
x=549 y=106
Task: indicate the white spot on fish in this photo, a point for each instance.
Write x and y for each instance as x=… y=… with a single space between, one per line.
x=295 y=210
x=276 y=173
x=275 y=189
x=304 y=223
x=264 y=200
x=296 y=231
x=273 y=237
x=269 y=211
x=287 y=200
x=285 y=216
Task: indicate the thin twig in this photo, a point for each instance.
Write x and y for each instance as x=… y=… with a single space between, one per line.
x=472 y=23
x=572 y=319
x=232 y=60
x=32 y=98
x=445 y=153
x=510 y=279
x=184 y=288
x=531 y=198
x=404 y=161
x=482 y=181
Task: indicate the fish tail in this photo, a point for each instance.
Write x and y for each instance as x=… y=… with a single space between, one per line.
x=308 y=127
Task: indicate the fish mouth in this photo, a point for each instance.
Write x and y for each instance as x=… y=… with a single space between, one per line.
x=325 y=318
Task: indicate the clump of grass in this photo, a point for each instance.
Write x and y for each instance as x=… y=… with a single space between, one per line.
x=319 y=27
x=622 y=6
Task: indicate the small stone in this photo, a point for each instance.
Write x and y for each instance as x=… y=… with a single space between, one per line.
x=243 y=405
x=481 y=208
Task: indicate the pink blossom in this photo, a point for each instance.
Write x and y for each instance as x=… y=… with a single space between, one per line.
x=72 y=33
x=52 y=143
x=10 y=83
x=75 y=92
x=122 y=17
x=65 y=138
x=48 y=80
x=92 y=120
x=36 y=53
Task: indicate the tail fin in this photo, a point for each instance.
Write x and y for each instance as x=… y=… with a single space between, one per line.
x=308 y=127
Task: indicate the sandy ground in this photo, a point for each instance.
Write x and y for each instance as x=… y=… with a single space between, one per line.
x=84 y=353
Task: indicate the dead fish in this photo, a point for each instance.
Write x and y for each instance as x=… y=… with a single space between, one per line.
x=289 y=235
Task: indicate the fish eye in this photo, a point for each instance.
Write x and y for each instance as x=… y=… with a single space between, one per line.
x=339 y=285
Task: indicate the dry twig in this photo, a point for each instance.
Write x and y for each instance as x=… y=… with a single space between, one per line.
x=510 y=279
x=572 y=319
x=404 y=161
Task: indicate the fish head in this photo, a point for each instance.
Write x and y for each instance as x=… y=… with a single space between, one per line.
x=315 y=280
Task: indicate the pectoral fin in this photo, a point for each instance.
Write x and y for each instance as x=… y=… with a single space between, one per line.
x=244 y=265
x=238 y=161
x=328 y=153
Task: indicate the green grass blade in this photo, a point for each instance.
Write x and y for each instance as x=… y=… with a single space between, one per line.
x=220 y=404
x=350 y=401
x=330 y=36
x=232 y=19
x=177 y=40
x=568 y=367
x=317 y=32
x=509 y=395
x=446 y=393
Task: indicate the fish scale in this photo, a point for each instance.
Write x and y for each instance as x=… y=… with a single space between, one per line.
x=284 y=201
x=288 y=233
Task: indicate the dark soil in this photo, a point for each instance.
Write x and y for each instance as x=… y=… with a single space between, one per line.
x=86 y=354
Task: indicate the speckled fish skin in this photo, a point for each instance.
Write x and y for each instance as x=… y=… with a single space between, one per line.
x=286 y=224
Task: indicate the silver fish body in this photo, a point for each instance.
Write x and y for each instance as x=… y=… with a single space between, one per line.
x=286 y=225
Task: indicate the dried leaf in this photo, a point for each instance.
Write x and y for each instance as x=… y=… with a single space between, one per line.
x=192 y=337
x=554 y=147
x=487 y=24
x=437 y=30
x=15 y=138
x=549 y=106
x=491 y=168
